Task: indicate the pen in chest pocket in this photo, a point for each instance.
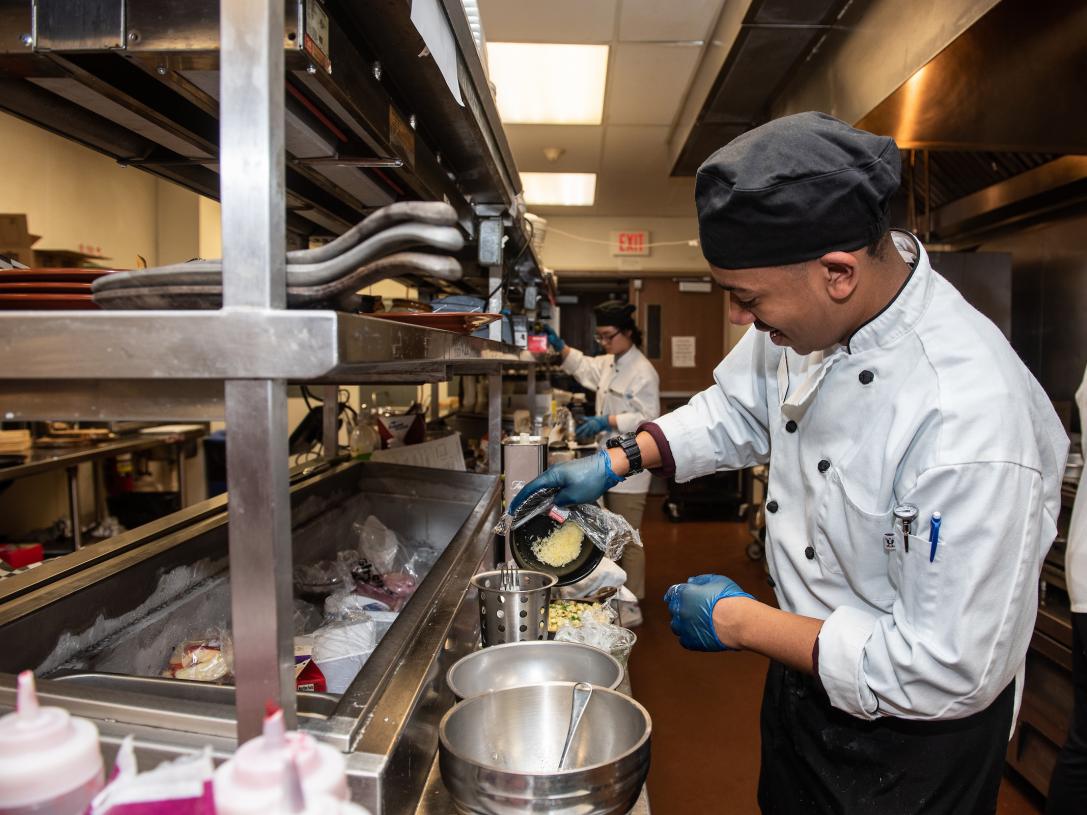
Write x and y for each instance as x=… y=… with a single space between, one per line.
x=933 y=535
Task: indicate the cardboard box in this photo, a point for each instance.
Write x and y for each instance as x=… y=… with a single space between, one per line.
x=15 y=240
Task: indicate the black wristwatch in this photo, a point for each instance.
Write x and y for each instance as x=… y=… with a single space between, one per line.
x=630 y=446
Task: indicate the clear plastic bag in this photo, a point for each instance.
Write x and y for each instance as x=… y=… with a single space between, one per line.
x=609 y=532
x=613 y=639
x=378 y=544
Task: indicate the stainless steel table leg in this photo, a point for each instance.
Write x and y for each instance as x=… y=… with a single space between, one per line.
x=532 y=397
x=182 y=483
x=494 y=422
x=73 y=506
x=330 y=415
x=101 y=507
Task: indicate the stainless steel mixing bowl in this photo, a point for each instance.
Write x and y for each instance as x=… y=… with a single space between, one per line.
x=498 y=752
x=532 y=663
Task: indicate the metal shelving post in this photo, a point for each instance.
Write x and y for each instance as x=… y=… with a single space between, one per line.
x=253 y=191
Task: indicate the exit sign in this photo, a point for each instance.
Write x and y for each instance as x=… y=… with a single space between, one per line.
x=634 y=242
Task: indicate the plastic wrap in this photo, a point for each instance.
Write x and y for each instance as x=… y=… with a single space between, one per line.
x=378 y=544
x=608 y=532
x=179 y=787
x=613 y=639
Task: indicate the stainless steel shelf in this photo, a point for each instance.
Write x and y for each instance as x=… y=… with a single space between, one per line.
x=172 y=364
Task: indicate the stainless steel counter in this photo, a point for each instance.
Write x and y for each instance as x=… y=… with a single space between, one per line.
x=98 y=636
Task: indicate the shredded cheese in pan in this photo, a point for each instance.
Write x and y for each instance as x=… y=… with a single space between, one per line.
x=561 y=546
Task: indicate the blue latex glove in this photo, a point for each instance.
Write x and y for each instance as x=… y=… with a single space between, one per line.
x=553 y=339
x=582 y=480
x=590 y=427
x=691 y=606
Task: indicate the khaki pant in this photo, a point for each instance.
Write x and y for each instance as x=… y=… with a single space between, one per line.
x=631 y=505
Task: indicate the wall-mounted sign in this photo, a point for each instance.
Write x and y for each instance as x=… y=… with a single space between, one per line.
x=683 y=352
x=634 y=242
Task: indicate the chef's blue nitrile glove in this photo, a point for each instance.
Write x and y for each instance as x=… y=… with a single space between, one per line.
x=691 y=606
x=553 y=339
x=582 y=481
x=590 y=427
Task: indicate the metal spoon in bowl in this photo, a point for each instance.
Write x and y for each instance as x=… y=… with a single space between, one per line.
x=582 y=692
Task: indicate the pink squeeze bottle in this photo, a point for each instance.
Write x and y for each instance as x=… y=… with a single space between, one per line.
x=252 y=781
x=50 y=762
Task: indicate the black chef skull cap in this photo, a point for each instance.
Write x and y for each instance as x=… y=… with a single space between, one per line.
x=794 y=189
x=615 y=313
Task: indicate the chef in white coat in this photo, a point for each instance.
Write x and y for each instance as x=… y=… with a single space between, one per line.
x=627 y=390
x=1068 y=789
x=915 y=468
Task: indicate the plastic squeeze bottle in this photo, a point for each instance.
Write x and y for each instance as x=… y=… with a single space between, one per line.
x=252 y=781
x=50 y=762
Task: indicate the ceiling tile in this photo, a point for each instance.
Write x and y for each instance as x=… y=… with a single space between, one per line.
x=648 y=83
x=550 y=21
x=677 y=20
x=581 y=145
x=628 y=146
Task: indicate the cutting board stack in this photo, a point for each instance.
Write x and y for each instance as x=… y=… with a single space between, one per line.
x=14 y=442
x=417 y=238
x=48 y=289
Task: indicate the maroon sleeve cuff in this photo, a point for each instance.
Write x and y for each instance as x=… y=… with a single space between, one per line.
x=667 y=467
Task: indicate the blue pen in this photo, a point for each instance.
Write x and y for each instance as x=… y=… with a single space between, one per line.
x=933 y=536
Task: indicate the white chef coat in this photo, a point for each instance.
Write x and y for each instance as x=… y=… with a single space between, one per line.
x=926 y=404
x=626 y=387
x=1075 y=550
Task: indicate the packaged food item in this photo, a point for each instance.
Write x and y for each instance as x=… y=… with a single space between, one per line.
x=307 y=676
x=252 y=781
x=50 y=761
x=575 y=613
x=208 y=659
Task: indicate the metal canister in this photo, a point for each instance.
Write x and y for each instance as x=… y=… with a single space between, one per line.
x=515 y=608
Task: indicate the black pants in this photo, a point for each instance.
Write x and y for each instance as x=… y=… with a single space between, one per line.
x=1068 y=789
x=817 y=759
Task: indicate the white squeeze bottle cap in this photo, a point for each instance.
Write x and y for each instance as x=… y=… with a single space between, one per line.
x=50 y=762
x=252 y=781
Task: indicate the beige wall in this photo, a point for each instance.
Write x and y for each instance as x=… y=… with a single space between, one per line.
x=567 y=254
x=75 y=196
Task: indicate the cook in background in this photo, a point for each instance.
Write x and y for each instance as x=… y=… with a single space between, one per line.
x=896 y=659
x=1068 y=789
x=627 y=394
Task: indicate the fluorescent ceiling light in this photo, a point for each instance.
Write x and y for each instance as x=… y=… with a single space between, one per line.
x=560 y=189
x=539 y=83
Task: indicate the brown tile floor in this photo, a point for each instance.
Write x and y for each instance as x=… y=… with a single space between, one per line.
x=705 y=707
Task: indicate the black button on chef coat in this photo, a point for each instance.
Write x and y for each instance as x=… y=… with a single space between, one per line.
x=790 y=426
x=771 y=506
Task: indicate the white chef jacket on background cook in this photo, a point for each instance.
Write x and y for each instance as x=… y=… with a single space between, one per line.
x=626 y=387
x=1075 y=552
x=927 y=404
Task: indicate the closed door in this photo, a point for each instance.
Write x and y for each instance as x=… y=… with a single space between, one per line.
x=685 y=331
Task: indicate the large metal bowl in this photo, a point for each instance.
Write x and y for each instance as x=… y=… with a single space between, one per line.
x=498 y=752
x=532 y=662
